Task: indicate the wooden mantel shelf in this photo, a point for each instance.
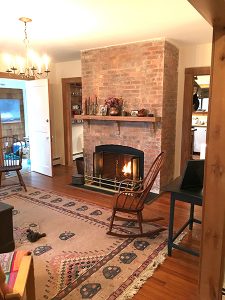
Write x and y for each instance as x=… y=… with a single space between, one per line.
x=118 y=118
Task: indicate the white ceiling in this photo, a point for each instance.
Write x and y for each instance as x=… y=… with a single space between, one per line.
x=61 y=28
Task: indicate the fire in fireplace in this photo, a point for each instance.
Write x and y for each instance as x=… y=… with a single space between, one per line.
x=114 y=163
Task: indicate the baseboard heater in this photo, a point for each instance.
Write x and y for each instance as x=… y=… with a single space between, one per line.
x=56 y=161
x=77 y=154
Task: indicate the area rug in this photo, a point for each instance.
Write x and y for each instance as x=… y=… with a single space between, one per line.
x=77 y=260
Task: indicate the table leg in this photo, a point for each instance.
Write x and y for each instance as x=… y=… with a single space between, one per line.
x=191 y=216
x=170 y=235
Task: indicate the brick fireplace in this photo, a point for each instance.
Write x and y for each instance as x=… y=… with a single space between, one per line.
x=145 y=75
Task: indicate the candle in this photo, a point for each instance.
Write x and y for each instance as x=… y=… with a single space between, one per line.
x=32 y=57
x=46 y=61
x=39 y=67
x=21 y=64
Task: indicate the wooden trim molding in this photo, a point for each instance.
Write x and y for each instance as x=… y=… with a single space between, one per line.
x=67 y=118
x=187 y=111
x=211 y=10
x=13 y=76
x=118 y=118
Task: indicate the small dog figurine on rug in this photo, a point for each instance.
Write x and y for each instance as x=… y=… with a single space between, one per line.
x=33 y=236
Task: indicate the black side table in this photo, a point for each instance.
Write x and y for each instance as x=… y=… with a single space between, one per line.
x=193 y=197
x=7 y=243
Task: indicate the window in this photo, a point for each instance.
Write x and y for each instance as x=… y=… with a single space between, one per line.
x=10 y=110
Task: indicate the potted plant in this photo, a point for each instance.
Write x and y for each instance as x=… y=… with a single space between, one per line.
x=114 y=105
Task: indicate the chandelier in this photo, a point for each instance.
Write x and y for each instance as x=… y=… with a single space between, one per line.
x=32 y=66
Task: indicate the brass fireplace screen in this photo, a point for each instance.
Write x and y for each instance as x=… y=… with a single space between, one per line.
x=114 y=163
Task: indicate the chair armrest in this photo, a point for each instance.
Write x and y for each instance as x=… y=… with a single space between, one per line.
x=21 y=279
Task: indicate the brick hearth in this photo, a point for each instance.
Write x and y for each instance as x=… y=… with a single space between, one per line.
x=145 y=75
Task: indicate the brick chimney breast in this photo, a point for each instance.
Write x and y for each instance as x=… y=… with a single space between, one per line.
x=145 y=75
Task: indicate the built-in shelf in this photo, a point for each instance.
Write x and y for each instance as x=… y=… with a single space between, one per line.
x=200 y=113
x=118 y=119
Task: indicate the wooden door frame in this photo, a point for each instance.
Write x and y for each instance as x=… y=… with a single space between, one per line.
x=187 y=111
x=66 y=96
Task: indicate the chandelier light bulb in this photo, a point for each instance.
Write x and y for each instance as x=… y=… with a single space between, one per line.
x=7 y=58
x=32 y=58
x=20 y=62
x=46 y=61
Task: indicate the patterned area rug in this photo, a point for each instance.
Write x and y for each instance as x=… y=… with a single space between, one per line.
x=76 y=259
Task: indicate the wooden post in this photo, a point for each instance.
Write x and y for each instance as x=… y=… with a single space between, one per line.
x=213 y=235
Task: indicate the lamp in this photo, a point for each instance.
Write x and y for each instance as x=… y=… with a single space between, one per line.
x=30 y=66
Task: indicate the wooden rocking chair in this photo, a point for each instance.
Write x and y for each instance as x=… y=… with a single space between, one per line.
x=131 y=201
x=11 y=154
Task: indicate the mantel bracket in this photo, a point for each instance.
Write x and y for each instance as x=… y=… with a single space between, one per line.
x=118 y=127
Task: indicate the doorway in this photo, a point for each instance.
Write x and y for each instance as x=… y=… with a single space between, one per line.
x=14 y=119
x=37 y=120
x=187 y=137
x=200 y=115
x=73 y=130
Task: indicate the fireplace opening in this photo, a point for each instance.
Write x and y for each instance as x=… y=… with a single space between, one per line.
x=116 y=166
x=114 y=163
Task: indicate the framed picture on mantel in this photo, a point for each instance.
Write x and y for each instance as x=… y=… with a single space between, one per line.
x=134 y=113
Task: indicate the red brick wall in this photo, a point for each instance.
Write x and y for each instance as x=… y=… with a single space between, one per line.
x=140 y=73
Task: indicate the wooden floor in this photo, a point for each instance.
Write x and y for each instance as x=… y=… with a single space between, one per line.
x=177 y=277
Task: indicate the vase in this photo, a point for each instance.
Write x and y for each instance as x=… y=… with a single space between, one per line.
x=114 y=111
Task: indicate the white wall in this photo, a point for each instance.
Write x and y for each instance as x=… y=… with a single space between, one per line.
x=189 y=57
x=58 y=71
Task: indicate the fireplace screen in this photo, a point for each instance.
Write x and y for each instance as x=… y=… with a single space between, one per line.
x=114 y=163
x=116 y=166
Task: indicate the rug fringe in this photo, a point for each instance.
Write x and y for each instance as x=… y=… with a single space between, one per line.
x=138 y=282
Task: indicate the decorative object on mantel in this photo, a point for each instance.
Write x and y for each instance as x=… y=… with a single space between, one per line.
x=102 y=110
x=114 y=105
x=114 y=111
x=142 y=112
x=134 y=113
x=91 y=106
x=123 y=109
